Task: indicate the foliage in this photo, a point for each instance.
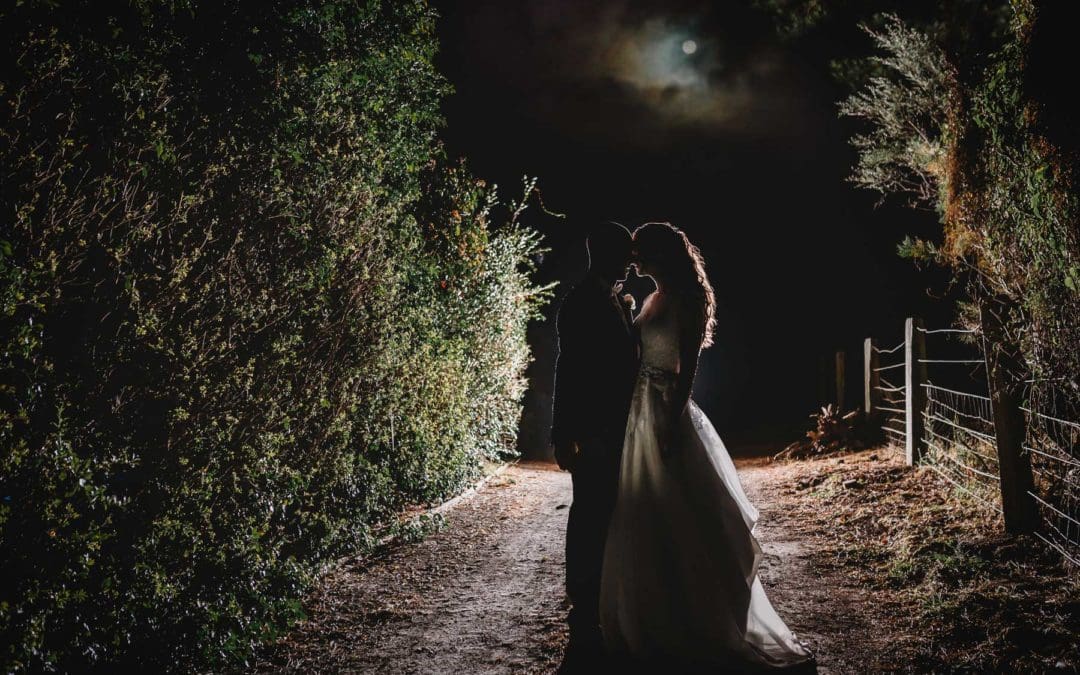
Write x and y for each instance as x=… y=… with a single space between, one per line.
x=247 y=311
x=907 y=115
x=981 y=125
x=795 y=17
x=1013 y=220
x=969 y=28
x=964 y=110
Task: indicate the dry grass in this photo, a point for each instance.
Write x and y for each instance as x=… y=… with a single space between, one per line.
x=954 y=592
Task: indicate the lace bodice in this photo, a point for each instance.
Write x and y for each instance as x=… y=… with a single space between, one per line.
x=660 y=341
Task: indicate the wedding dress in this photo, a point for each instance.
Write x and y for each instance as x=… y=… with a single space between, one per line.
x=679 y=579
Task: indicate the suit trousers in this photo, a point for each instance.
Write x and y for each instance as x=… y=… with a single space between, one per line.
x=595 y=480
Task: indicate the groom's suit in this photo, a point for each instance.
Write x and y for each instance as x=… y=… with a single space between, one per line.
x=594 y=381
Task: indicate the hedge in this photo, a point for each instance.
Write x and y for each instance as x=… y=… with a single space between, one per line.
x=248 y=311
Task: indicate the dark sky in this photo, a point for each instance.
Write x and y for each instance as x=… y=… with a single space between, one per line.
x=733 y=138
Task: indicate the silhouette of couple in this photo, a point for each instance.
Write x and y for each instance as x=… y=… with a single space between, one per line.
x=661 y=562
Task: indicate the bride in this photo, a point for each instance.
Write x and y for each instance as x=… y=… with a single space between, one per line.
x=679 y=583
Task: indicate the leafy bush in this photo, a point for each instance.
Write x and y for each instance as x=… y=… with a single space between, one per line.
x=248 y=310
x=981 y=140
x=1014 y=219
x=907 y=110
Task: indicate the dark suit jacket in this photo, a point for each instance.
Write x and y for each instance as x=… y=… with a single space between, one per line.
x=596 y=368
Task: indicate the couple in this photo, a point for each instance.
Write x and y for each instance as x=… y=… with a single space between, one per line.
x=661 y=562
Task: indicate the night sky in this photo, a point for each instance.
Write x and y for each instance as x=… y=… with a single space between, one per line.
x=695 y=113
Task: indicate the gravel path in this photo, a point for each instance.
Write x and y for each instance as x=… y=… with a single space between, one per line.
x=485 y=595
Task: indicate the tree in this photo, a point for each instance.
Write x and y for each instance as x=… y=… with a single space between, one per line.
x=964 y=110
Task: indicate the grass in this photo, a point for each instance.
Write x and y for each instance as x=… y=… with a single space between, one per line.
x=961 y=596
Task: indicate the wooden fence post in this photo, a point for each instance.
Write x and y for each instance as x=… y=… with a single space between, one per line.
x=840 y=381
x=1014 y=463
x=915 y=395
x=871 y=378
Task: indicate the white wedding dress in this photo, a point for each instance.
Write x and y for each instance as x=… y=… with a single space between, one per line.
x=679 y=581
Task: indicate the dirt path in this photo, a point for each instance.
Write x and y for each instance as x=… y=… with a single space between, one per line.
x=483 y=595
x=486 y=594
x=825 y=609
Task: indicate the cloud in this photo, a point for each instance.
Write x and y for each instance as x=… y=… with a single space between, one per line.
x=724 y=85
x=696 y=88
x=616 y=69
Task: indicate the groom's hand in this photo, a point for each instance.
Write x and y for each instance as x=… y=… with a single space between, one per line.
x=566 y=454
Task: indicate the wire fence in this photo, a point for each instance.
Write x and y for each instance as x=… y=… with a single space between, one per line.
x=892 y=396
x=958 y=427
x=940 y=377
x=959 y=435
x=1054 y=446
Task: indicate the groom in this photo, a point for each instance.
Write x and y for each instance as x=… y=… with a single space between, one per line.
x=594 y=380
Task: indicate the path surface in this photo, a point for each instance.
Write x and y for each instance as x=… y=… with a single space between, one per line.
x=835 y=618
x=483 y=595
x=486 y=594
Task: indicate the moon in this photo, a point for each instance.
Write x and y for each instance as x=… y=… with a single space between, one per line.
x=689 y=47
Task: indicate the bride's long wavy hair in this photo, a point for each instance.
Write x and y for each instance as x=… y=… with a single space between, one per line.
x=683 y=267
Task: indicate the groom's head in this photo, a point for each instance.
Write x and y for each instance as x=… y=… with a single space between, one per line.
x=609 y=246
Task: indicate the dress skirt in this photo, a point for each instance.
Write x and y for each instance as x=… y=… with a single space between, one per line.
x=679 y=582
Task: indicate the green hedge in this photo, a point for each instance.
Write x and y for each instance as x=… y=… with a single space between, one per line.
x=248 y=310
